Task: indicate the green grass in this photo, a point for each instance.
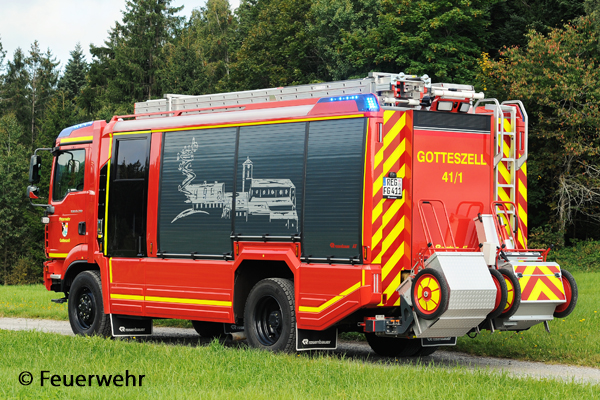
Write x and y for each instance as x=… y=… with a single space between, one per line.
x=33 y=301
x=215 y=371
x=574 y=340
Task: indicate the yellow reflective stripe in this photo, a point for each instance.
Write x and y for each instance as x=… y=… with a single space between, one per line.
x=130 y=133
x=378 y=184
x=522 y=215
x=330 y=302
x=389 y=291
x=391 y=238
x=363 y=277
x=58 y=255
x=378 y=210
x=387 y=114
x=503 y=195
x=189 y=301
x=171 y=300
x=105 y=241
x=524 y=169
x=392 y=133
x=110 y=270
x=126 y=297
x=77 y=139
x=378 y=158
x=522 y=190
x=284 y=121
x=504 y=172
x=395 y=156
x=387 y=268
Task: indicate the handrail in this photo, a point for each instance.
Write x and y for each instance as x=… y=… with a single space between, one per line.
x=425 y=225
x=521 y=160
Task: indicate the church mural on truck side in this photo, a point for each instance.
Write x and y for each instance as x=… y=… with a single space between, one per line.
x=273 y=200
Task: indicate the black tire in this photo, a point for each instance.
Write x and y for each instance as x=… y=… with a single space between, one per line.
x=270 y=317
x=439 y=291
x=86 y=309
x=393 y=347
x=209 y=330
x=427 y=351
x=503 y=291
x=564 y=310
x=510 y=275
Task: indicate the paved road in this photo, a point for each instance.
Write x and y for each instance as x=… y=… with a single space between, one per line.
x=354 y=350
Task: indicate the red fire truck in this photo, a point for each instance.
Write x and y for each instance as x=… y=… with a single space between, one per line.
x=387 y=205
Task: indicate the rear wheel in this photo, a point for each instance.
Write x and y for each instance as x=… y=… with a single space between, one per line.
x=571 y=294
x=270 y=317
x=429 y=294
x=86 y=310
x=209 y=330
x=393 y=347
x=513 y=299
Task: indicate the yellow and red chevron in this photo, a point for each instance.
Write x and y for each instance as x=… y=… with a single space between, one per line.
x=391 y=218
x=539 y=282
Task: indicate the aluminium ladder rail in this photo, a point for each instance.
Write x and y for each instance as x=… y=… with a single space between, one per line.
x=381 y=84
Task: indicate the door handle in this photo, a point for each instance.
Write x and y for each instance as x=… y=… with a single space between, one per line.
x=81 y=228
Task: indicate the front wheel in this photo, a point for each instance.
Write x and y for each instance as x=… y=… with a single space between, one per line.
x=86 y=310
x=270 y=317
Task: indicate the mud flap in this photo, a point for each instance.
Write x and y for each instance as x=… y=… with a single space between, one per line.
x=316 y=340
x=130 y=326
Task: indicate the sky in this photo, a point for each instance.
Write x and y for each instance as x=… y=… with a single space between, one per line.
x=60 y=24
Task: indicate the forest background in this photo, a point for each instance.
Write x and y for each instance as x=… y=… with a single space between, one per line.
x=543 y=52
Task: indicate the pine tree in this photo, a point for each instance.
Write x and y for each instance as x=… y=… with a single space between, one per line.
x=199 y=61
x=73 y=79
x=125 y=69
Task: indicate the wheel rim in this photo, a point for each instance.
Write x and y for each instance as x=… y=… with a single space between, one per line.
x=568 y=296
x=510 y=298
x=428 y=294
x=268 y=320
x=86 y=308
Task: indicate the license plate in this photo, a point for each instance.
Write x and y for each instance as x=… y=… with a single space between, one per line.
x=392 y=188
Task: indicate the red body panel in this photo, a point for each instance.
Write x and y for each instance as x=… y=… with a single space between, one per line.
x=325 y=294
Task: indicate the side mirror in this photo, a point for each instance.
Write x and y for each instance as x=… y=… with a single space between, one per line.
x=35 y=165
x=32 y=193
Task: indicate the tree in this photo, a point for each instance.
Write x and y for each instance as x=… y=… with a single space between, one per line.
x=275 y=48
x=337 y=29
x=558 y=78
x=199 y=60
x=15 y=89
x=18 y=235
x=512 y=20
x=441 y=38
x=125 y=69
x=43 y=76
x=73 y=79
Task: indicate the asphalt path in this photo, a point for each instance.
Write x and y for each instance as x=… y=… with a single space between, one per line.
x=355 y=351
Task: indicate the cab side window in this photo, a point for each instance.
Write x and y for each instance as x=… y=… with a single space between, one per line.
x=69 y=173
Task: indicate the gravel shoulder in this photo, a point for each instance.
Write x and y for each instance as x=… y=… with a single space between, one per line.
x=355 y=351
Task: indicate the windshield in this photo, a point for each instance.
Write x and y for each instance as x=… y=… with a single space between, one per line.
x=69 y=172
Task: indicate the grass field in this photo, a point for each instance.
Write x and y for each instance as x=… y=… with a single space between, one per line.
x=214 y=371
x=574 y=340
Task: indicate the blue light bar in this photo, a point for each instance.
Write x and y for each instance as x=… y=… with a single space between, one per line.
x=364 y=102
x=67 y=131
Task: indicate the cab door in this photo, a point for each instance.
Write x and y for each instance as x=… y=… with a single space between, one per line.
x=69 y=194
